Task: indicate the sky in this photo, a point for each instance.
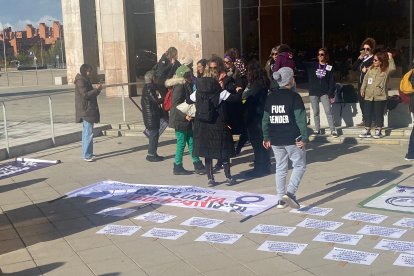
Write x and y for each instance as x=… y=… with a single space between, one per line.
x=18 y=13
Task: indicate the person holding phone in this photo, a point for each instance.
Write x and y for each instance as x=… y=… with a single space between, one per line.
x=284 y=130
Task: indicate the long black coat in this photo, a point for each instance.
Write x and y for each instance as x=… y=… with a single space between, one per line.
x=151 y=110
x=86 y=102
x=213 y=140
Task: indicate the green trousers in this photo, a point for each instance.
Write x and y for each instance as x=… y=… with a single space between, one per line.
x=183 y=138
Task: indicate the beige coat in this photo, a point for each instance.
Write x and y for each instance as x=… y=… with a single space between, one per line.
x=375 y=83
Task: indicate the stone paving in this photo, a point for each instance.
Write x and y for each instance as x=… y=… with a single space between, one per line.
x=59 y=238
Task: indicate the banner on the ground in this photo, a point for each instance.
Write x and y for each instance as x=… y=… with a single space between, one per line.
x=116 y=212
x=180 y=196
x=351 y=256
x=24 y=165
x=395 y=198
x=283 y=247
x=202 y=222
x=215 y=237
x=333 y=237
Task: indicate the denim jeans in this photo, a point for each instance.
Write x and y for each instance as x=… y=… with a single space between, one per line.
x=315 y=100
x=154 y=135
x=282 y=156
x=183 y=138
x=87 y=140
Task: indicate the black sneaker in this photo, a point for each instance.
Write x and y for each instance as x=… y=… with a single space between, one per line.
x=230 y=181
x=154 y=158
x=281 y=204
x=291 y=200
x=179 y=170
x=408 y=158
x=211 y=183
x=218 y=166
x=199 y=168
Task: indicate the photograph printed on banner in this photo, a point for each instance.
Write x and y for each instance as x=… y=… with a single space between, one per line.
x=351 y=256
x=202 y=222
x=214 y=237
x=333 y=237
x=365 y=217
x=387 y=232
x=283 y=247
x=155 y=217
x=165 y=233
x=120 y=230
x=274 y=230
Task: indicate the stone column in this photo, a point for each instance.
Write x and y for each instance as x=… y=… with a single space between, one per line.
x=80 y=35
x=194 y=27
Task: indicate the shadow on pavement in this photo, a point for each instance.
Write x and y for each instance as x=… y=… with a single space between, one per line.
x=324 y=153
x=18 y=185
x=353 y=183
x=39 y=270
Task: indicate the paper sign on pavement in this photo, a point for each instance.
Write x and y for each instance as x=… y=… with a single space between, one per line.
x=388 y=232
x=320 y=224
x=116 y=212
x=283 y=247
x=365 y=217
x=273 y=230
x=155 y=217
x=333 y=237
x=311 y=210
x=405 y=222
x=219 y=237
x=121 y=230
x=202 y=222
x=398 y=246
x=405 y=260
x=165 y=233
x=351 y=256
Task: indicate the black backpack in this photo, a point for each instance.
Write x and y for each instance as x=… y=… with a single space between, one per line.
x=207 y=107
x=345 y=93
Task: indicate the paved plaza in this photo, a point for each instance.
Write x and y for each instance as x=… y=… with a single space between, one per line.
x=59 y=238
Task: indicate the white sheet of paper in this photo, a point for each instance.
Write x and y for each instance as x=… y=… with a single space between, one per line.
x=338 y=238
x=215 y=237
x=202 y=222
x=320 y=224
x=116 y=212
x=365 y=217
x=155 y=217
x=397 y=246
x=405 y=222
x=165 y=233
x=275 y=230
x=310 y=210
x=387 y=232
x=351 y=256
x=405 y=260
x=283 y=247
x=121 y=230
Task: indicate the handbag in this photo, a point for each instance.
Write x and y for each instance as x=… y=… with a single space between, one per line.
x=188 y=109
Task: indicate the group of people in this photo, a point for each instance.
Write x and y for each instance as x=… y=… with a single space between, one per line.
x=228 y=97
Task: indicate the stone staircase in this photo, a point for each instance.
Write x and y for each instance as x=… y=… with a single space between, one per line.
x=348 y=135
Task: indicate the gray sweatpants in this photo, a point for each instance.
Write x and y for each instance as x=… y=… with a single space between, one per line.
x=315 y=100
x=282 y=156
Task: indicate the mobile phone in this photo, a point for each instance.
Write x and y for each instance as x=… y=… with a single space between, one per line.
x=299 y=138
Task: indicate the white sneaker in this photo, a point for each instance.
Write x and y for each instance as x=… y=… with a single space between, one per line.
x=377 y=134
x=91 y=159
x=365 y=134
x=334 y=134
x=281 y=204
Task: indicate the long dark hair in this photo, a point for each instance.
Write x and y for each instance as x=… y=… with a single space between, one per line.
x=382 y=56
x=85 y=68
x=255 y=73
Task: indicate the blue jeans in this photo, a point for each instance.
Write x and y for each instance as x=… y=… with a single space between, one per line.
x=282 y=156
x=87 y=140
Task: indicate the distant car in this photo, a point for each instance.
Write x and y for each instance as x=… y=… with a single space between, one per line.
x=145 y=61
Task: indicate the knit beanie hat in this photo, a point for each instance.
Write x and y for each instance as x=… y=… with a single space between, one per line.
x=283 y=76
x=187 y=61
x=182 y=70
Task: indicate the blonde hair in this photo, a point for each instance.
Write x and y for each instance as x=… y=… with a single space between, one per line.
x=211 y=73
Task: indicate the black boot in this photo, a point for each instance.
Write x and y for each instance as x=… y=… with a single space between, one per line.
x=199 y=168
x=218 y=166
x=229 y=179
x=179 y=170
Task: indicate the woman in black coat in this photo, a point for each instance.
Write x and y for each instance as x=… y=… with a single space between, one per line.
x=151 y=111
x=213 y=138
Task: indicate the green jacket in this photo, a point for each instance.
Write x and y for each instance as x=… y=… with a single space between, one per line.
x=375 y=83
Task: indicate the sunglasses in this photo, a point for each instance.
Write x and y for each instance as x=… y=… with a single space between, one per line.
x=321 y=54
x=227 y=62
x=213 y=67
x=366 y=49
x=274 y=54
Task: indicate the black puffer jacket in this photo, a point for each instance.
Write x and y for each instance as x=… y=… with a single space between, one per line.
x=181 y=91
x=255 y=103
x=86 y=102
x=151 y=109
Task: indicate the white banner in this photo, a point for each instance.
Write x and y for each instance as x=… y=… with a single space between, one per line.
x=320 y=224
x=179 y=196
x=283 y=247
x=165 y=233
x=365 y=217
x=405 y=222
x=214 y=237
x=398 y=198
x=155 y=217
x=311 y=210
x=397 y=246
x=351 y=256
x=405 y=260
x=202 y=222
x=274 y=230
x=333 y=237
x=121 y=230
x=387 y=232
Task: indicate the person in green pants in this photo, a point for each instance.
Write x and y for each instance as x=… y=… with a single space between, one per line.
x=182 y=123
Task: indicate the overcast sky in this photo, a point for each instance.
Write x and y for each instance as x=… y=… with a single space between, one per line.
x=18 y=13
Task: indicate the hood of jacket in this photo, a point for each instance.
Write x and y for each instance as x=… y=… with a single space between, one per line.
x=287 y=55
x=174 y=81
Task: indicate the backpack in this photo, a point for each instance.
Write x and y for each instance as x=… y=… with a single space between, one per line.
x=393 y=101
x=207 y=108
x=406 y=85
x=168 y=100
x=345 y=94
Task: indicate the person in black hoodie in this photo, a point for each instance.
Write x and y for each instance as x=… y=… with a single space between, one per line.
x=362 y=64
x=321 y=89
x=165 y=69
x=87 y=109
x=151 y=111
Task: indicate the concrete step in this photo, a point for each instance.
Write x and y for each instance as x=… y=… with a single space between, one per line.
x=345 y=139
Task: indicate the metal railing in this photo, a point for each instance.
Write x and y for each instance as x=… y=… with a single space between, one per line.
x=50 y=107
x=30 y=77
